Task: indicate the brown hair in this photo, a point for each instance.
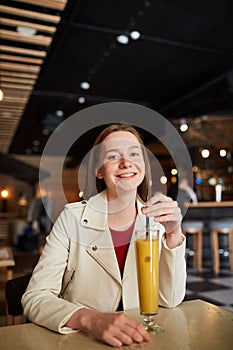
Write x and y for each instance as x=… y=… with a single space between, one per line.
x=93 y=183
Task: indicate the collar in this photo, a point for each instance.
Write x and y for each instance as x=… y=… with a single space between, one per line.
x=95 y=213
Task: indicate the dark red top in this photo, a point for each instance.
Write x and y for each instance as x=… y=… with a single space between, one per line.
x=121 y=240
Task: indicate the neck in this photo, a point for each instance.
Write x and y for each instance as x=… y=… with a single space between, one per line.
x=122 y=211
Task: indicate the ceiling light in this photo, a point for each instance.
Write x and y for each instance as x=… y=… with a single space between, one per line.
x=135 y=35
x=195 y=169
x=59 y=113
x=26 y=30
x=212 y=181
x=4 y=193
x=198 y=181
x=222 y=153
x=174 y=171
x=43 y=192
x=205 y=153
x=85 y=85
x=147 y=3
x=122 y=39
x=205 y=118
x=163 y=180
x=36 y=142
x=173 y=179
x=45 y=131
x=22 y=202
x=183 y=125
x=81 y=100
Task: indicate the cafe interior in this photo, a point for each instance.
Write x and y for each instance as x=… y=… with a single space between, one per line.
x=60 y=57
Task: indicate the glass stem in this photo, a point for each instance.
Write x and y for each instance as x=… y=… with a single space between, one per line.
x=148 y=322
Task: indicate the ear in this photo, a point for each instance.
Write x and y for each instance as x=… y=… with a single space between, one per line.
x=98 y=174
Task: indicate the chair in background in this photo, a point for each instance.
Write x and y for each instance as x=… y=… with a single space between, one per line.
x=15 y=289
x=195 y=230
x=221 y=227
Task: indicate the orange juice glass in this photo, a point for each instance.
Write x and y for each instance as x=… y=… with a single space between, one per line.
x=147 y=257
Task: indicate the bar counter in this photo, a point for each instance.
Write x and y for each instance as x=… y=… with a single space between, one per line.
x=211 y=204
x=190 y=326
x=209 y=210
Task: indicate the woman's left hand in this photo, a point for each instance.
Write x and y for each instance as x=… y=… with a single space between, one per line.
x=166 y=211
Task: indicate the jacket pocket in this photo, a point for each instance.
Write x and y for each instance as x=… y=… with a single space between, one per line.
x=67 y=284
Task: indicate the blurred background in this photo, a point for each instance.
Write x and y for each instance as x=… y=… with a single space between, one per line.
x=58 y=57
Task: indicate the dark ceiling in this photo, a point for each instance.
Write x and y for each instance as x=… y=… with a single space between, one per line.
x=21 y=170
x=181 y=66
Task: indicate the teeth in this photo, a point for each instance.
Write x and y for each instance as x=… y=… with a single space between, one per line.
x=127 y=175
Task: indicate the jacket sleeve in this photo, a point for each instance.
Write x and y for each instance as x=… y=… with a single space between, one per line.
x=172 y=275
x=41 y=302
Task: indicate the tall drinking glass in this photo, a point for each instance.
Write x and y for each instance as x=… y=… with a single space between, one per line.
x=147 y=257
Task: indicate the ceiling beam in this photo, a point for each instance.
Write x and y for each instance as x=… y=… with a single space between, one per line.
x=17 y=86
x=23 y=38
x=20 y=67
x=21 y=59
x=155 y=39
x=38 y=27
x=6 y=113
x=18 y=104
x=11 y=93
x=20 y=50
x=7 y=73
x=6 y=108
x=194 y=92
x=30 y=14
x=17 y=80
x=14 y=99
x=53 y=4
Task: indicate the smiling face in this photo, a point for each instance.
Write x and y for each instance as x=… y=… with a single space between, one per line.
x=122 y=164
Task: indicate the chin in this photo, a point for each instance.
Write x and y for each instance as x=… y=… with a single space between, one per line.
x=126 y=186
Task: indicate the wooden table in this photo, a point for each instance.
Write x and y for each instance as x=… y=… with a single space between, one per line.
x=194 y=325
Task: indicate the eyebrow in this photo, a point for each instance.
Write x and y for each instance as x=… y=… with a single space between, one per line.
x=117 y=149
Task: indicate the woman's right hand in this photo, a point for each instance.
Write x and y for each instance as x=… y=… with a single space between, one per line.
x=115 y=329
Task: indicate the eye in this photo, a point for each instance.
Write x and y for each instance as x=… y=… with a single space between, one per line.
x=135 y=155
x=113 y=157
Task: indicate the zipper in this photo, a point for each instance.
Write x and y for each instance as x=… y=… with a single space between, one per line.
x=67 y=284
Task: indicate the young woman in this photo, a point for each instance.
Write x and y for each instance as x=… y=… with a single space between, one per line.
x=87 y=271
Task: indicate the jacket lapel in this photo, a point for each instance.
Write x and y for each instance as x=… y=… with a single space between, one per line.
x=102 y=251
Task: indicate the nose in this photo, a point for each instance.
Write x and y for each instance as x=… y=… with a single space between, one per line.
x=125 y=162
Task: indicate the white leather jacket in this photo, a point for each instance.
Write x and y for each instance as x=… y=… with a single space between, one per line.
x=78 y=268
